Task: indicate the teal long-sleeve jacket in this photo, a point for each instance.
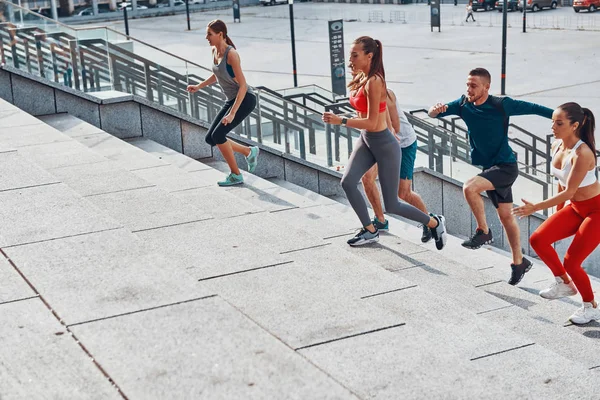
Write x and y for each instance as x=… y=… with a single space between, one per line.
x=489 y=142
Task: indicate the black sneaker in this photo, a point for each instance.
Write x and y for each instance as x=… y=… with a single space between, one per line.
x=364 y=237
x=426 y=237
x=439 y=232
x=518 y=271
x=478 y=239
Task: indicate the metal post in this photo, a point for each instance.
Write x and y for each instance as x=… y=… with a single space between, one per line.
x=187 y=12
x=291 y=3
x=126 y=22
x=504 y=27
x=54 y=10
x=524 y=16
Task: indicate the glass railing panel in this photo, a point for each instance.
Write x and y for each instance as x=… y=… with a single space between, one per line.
x=143 y=70
x=205 y=104
x=33 y=43
x=94 y=70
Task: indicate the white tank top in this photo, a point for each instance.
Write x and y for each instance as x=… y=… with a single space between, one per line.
x=407 y=135
x=563 y=174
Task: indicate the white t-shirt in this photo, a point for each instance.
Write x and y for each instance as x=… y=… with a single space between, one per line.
x=407 y=135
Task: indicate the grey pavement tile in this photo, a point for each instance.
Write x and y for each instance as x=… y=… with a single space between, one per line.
x=322 y=221
x=147 y=208
x=63 y=154
x=217 y=201
x=167 y=155
x=355 y=276
x=571 y=345
x=97 y=178
x=171 y=178
x=556 y=311
x=388 y=253
x=13 y=117
x=70 y=125
x=47 y=212
x=103 y=274
x=459 y=292
x=30 y=135
x=470 y=276
x=535 y=372
x=303 y=306
x=205 y=349
x=13 y=285
x=116 y=149
x=417 y=363
x=16 y=172
x=260 y=198
x=40 y=360
x=216 y=247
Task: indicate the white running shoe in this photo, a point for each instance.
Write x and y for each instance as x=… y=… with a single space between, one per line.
x=559 y=289
x=585 y=314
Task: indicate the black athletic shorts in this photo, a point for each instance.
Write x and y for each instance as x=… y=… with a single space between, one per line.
x=502 y=177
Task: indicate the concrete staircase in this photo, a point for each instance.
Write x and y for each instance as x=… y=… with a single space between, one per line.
x=129 y=274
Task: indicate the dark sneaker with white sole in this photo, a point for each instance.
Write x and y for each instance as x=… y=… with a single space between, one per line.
x=439 y=232
x=518 y=271
x=478 y=239
x=364 y=237
x=426 y=236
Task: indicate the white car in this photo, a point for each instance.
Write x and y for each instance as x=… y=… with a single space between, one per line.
x=272 y=2
x=128 y=5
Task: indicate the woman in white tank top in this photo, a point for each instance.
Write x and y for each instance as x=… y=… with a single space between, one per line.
x=573 y=164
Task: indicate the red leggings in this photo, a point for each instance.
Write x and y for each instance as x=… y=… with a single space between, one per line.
x=582 y=219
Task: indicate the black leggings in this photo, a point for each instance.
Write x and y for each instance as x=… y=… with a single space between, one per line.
x=217 y=134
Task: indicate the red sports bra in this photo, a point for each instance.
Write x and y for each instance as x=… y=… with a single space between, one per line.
x=358 y=100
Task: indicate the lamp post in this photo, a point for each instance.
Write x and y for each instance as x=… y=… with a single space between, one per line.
x=291 y=4
x=524 y=16
x=124 y=5
x=504 y=26
x=187 y=12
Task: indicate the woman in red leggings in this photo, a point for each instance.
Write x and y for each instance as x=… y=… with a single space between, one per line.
x=573 y=163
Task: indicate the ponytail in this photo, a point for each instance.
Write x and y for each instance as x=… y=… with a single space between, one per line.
x=586 y=130
x=229 y=41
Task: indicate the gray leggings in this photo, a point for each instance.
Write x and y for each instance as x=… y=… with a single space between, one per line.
x=381 y=148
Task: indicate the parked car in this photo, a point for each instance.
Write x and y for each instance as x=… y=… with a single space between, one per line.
x=90 y=11
x=176 y=3
x=536 y=5
x=590 y=5
x=487 y=5
x=513 y=5
x=128 y=5
x=272 y=2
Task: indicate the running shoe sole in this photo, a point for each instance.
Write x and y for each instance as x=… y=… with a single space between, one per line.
x=364 y=241
x=477 y=247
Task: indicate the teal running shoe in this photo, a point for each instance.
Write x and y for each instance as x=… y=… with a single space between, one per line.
x=232 y=179
x=252 y=159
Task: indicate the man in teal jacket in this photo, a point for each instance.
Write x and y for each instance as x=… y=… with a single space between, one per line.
x=486 y=117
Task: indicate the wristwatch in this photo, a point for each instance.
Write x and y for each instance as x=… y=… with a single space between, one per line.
x=344 y=121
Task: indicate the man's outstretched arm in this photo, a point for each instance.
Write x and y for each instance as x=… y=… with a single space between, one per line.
x=520 y=107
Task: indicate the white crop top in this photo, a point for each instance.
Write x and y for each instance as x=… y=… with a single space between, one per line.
x=563 y=174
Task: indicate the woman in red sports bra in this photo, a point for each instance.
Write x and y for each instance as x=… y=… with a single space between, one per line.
x=376 y=144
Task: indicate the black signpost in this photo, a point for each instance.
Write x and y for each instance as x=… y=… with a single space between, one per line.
x=436 y=19
x=236 y=11
x=336 y=52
